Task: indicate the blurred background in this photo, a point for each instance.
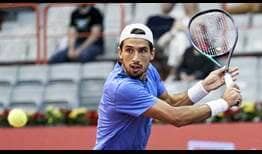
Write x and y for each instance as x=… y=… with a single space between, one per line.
x=68 y=92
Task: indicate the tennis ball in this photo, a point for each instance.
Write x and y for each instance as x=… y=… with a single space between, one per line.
x=17 y=118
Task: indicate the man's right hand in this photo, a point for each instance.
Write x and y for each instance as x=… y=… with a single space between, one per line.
x=232 y=95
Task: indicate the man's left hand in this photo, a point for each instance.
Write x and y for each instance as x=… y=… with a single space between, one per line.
x=216 y=78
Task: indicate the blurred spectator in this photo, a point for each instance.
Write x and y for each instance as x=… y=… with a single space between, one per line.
x=244 y=8
x=160 y=24
x=194 y=66
x=84 y=40
x=176 y=41
x=2 y=17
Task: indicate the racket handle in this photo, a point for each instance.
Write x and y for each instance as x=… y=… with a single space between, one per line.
x=228 y=80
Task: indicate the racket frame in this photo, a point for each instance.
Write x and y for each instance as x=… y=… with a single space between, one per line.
x=208 y=56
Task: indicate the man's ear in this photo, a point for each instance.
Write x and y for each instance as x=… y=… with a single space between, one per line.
x=153 y=52
x=119 y=53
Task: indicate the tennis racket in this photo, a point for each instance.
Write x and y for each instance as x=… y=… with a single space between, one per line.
x=214 y=34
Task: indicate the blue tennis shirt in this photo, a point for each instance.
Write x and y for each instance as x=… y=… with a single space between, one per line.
x=121 y=123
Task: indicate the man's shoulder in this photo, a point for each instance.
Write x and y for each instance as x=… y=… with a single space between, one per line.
x=116 y=78
x=128 y=88
x=124 y=83
x=152 y=68
x=152 y=72
x=120 y=86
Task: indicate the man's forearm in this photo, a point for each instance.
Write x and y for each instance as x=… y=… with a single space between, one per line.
x=179 y=116
x=192 y=114
x=180 y=99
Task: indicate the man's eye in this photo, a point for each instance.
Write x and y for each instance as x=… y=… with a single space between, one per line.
x=143 y=50
x=129 y=50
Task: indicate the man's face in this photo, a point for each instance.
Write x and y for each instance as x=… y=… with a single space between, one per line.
x=135 y=56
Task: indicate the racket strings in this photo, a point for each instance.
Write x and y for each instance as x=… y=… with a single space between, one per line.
x=213 y=33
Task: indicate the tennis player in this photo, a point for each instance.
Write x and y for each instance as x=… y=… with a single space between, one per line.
x=134 y=94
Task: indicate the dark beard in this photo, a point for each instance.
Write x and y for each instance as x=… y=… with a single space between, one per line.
x=139 y=76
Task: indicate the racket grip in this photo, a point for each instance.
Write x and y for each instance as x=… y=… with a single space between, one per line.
x=228 y=80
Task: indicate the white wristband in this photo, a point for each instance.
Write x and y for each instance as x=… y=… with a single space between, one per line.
x=217 y=106
x=197 y=92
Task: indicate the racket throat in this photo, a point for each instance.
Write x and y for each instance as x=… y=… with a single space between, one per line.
x=214 y=61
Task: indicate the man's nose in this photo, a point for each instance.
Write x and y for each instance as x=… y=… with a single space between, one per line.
x=136 y=57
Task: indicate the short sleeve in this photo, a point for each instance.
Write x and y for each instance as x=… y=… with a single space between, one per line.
x=133 y=99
